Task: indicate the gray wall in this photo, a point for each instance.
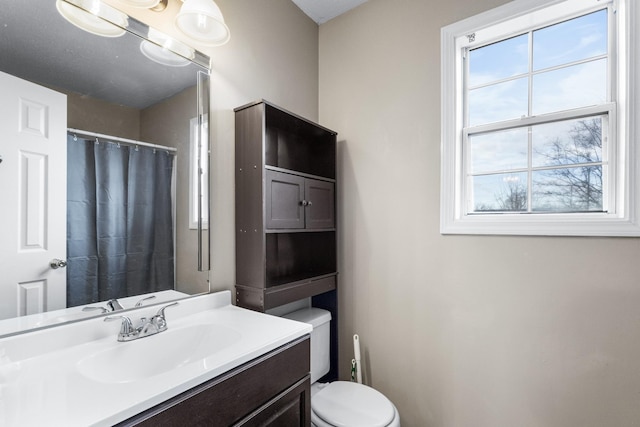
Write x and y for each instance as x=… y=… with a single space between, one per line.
x=460 y=331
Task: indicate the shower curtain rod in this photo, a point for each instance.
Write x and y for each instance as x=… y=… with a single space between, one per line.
x=124 y=140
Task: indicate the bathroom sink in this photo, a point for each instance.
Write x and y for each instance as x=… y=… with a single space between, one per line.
x=124 y=362
x=91 y=379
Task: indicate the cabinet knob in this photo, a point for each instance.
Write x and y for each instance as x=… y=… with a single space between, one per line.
x=304 y=203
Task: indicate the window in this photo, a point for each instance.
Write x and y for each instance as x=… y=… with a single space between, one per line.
x=535 y=133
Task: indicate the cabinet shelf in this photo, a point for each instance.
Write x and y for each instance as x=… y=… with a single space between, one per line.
x=294 y=143
x=306 y=175
x=296 y=230
x=275 y=296
x=291 y=257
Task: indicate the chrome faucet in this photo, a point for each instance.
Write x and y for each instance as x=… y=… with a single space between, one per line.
x=144 y=328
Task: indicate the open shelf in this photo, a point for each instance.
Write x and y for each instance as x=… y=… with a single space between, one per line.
x=291 y=257
x=296 y=144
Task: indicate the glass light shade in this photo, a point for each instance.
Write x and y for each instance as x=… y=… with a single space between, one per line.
x=202 y=20
x=165 y=50
x=146 y=4
x=91 y=21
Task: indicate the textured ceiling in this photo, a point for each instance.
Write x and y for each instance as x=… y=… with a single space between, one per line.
x=322 y=11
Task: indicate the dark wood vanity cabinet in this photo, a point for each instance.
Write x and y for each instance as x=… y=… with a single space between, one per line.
x=285 y=211
x=272 y=390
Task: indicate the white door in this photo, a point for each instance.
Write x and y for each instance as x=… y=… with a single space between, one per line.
x=33 y=197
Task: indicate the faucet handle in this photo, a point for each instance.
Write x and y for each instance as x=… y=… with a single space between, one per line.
x=139 y=303
x=161 y=311
x=159 y=320
x=127 y=326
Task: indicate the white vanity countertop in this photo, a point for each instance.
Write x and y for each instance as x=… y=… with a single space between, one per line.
x=43 y=383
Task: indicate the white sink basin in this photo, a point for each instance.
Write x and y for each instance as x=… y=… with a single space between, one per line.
x=147 y=357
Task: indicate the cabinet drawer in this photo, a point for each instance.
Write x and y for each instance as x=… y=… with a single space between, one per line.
x=229 y=398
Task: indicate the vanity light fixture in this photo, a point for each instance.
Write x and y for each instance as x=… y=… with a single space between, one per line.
x=155 y=5
x=202 y=20
x=87 y=15
x=166 y=50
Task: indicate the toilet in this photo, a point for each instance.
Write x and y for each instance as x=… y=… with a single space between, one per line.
x=340 y=403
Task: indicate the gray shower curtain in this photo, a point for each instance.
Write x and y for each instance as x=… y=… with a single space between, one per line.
x=119 y=221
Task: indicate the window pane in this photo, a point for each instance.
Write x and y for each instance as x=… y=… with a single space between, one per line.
x=571 y=87
x=498 y=151
x=503 y=101
x=567 y=142
x=574 y=40
x=576 y=189
x=500 y=192
x=498 y=61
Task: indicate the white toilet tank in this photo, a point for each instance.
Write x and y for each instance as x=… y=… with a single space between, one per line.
x=320 y=320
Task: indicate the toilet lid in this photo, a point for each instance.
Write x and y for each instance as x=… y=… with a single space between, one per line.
x=349 y=404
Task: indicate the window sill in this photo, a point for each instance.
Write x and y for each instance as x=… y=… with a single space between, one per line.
x=542 y=225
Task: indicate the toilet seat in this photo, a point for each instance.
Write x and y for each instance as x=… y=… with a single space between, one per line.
x=349 y=404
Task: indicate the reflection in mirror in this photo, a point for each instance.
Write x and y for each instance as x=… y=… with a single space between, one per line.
x=95 y=138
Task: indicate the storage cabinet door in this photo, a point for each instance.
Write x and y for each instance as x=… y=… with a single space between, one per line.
x=320 y=209
x=284 y=194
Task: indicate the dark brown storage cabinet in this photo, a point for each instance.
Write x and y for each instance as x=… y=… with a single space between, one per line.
x=285 y=212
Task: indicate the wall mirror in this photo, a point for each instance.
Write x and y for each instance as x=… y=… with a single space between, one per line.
x=104 y=188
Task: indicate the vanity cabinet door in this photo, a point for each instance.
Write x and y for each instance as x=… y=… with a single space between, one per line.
x=291 y=409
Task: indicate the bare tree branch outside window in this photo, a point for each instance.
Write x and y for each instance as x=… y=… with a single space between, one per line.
x=574 y=184
x=568 y=177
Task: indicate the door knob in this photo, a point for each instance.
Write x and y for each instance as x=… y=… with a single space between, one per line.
x=57 y=263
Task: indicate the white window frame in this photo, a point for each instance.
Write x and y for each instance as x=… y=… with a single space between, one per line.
x=623 y=216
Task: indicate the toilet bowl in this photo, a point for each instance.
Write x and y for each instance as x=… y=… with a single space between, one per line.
x=340 y=403
x=344 y=403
